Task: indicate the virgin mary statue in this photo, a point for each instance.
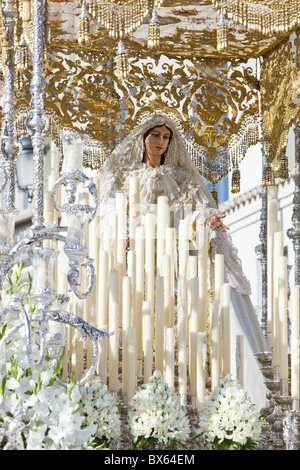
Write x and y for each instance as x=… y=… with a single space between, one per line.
x=155 y=152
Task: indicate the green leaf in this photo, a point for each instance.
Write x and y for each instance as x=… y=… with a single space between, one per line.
x=38 y=386
x=58 y=368
x=10 y=290
x=30 y=303
x=30 y=282
x=3 y=329
x=2 y=386
x=14 y=365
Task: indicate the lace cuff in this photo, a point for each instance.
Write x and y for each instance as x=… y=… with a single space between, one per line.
x=198 y=218
x=221 y=243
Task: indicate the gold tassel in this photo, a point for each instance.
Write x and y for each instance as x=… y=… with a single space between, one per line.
x=122 y=61
x=84 y=26
x=222 y=34
x=26 y=10
x=153 y=32
x=214 y=193
x=284 y=167
x=23 y=57
x=268 y=176
x=93 y=9
x=236 y=180
x=19 y=80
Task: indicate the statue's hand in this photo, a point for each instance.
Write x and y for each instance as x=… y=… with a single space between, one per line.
x=215 y=223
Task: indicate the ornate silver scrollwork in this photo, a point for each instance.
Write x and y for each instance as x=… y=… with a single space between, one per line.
x=75 y=244
x=79 y=215
x=43 y=316
x=294 y=232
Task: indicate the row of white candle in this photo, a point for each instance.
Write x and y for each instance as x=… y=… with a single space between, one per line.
x=277 y=300
x=145 y=314
x=134 y=296
x=135 y=314
x=137 y=295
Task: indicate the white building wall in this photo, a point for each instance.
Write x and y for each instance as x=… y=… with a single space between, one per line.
x=243 y=212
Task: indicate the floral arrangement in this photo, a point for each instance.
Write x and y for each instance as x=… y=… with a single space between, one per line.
x=229 y=421
x=36 y=410
x=156 y=417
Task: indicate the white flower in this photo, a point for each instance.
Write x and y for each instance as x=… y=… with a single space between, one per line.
x=156 y=374
x=12 y=384
x=229 y=414
x=155 y=411
x=98 y=403
x=55 y=417
x=35 y=437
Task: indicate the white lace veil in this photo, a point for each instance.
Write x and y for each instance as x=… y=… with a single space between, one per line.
x=130 y=152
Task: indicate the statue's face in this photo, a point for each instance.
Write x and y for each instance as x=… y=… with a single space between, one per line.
x=157 y=141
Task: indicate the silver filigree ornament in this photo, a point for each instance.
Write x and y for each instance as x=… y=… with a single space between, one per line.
x=78 y=215
x=10 y=429
x=43 y=292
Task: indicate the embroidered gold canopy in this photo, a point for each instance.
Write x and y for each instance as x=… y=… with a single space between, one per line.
x=212 y=92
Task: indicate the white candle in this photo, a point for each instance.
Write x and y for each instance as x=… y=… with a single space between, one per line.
x=162 y=224
x=41 y=274
x=74 y=233
x=48 y=209
x=240 y=359
x=72 y=157
x=113 y=222
x=127 y=300
x=282 y=305
x=170 y=357
x=272 y=217
x=52 y=178
x=183 y=235
x=131 y=271
x=219 y=275
x=165 y=272
x=134 y=208
x=79 y=354
x=201 y=368
x=126 y=309
x=107 y=243
x=113 y=327
x=102 y=358
x=294 y=315
x=171 y=251
x=192 y=267
x=103 y=288
x=121 y=209
x=94 y=242
x=140 y=276
x=90 y=313
x=182 y=338
x=131 y=359
x=150 y=259
x=277 y=253
x=147 y=340
x=202 y=274
x=215 y=340
x=193 y=335
x=225 y=312
x=159 y=324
